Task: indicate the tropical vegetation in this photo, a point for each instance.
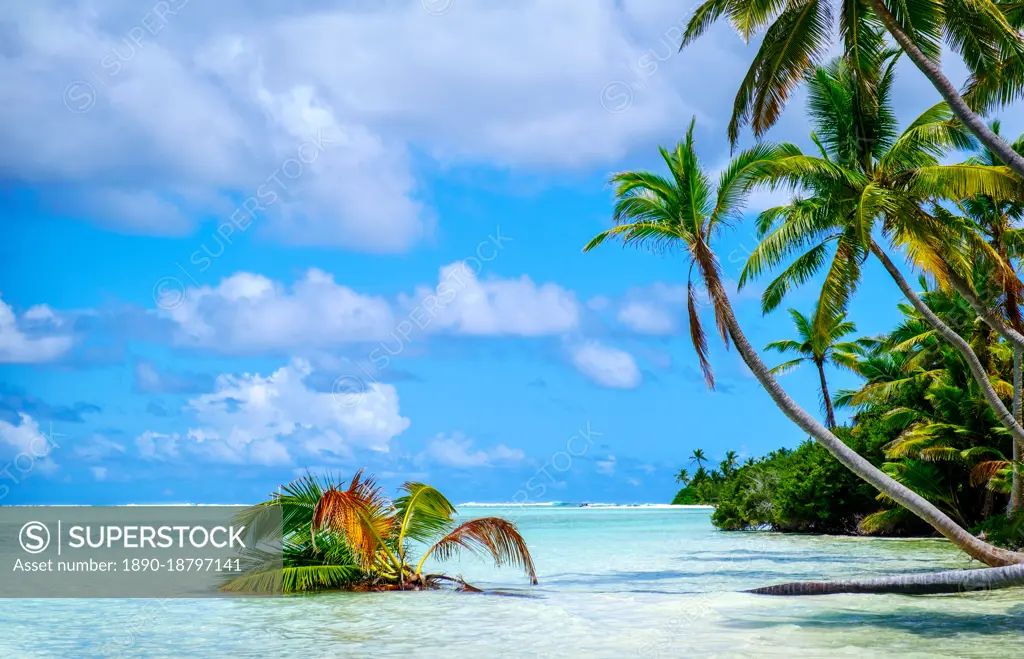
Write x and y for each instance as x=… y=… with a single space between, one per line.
x=352 y=537
x=797 y=37
x=919 y=417
x=702 y=488
x=869 y=190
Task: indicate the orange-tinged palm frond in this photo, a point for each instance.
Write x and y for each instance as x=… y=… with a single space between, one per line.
x=487 y=536
x=360 y=514
x=983 y=472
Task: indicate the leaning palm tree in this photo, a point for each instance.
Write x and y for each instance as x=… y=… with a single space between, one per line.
x=374 y=536
x=798 y=35
x=857 y=185
x=684 y=211
x=819 y=348
x=380 y=531
x=998 y=221
x=698 y=457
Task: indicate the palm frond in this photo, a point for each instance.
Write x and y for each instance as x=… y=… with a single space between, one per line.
x=492 y=537
x=422 y=513
x=698 y=338
x=796 y=41
x=360 y=515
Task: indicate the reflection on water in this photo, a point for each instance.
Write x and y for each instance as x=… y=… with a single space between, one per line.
x=614 y=583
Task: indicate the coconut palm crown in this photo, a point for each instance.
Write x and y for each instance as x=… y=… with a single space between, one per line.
x=354 y=537
x=820 y=349
x=798 y=36
x=686 y=212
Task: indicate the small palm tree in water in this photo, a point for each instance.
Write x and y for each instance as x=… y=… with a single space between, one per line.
x=355 y=538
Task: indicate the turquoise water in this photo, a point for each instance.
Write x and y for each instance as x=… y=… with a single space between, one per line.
x=636 y=582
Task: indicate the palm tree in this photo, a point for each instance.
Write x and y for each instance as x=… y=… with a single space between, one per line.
x=685 y=212
x=922 y=390
x=997 y=221
x=304 y=566
x=728 y=465
x=819 y=348
x=374 y=535
x=945 y=432
x=698 y=457
x=857 y=184
x=683 y=477
x=797 y=37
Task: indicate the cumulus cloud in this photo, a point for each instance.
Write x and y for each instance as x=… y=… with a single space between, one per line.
x=458 y=451
x=38 y=336
x=180 y=113
x=462 y=303
x=27 y=447
x=647 y=318
x=247 y=313
x=607 y=366
x=157 y=446
x=250 y=418
x=215 y=123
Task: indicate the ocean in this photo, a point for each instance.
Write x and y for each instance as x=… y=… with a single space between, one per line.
x=614 y=582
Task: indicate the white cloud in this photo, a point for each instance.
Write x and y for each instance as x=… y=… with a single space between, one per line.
x=269 y=420
x=492 y=306
x=457 y=451
x=28 y=448
x=157 y=446
x=647 y=318
x=36 y=337
x=216 y=124
x=99 y=473
x=247 y=313
x=220 y=94
x=608 y=367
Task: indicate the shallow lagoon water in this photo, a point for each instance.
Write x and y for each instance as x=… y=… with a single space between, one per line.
x=614 y=582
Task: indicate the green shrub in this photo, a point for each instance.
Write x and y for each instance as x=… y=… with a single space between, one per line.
x=803 y=490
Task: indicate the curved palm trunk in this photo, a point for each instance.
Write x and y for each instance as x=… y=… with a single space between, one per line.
x=973 y=363
x=933 y=72
x=1010 y=332
x=952 y=581
x=991 y=318
x=830 y=414
x=1018 y=392
x=852 y=460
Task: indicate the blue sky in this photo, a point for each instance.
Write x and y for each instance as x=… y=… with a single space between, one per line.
x=408 y=293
